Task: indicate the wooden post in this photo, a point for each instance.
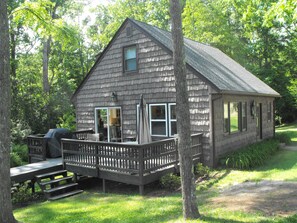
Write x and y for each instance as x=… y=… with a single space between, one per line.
x=44 y=142
x=141 y=170
x=33 y=186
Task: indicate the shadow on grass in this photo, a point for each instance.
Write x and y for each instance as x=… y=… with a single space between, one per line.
x=209 y=183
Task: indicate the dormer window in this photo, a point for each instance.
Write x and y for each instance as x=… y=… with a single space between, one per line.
x=130 y=59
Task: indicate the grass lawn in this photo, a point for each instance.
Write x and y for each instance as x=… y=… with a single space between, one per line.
x=92 y=207
x=291 y=130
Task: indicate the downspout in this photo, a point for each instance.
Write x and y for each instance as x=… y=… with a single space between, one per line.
x=213 y=98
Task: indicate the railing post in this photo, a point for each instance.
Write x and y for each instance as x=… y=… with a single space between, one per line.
x=141 y=170
x=176 y=153
x=62 y=151
x=97 y=161
x=44 y=142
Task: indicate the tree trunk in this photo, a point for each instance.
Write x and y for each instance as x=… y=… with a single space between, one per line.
x=190 y=208
x=46 y=52
x=6 y=215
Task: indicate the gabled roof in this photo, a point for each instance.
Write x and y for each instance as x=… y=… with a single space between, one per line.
x=213 y=65
x=209 y=63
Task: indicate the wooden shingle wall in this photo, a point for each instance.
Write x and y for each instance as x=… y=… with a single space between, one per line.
x=154 y=79
x=225 y=142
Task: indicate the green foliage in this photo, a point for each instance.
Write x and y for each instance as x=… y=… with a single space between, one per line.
x=15 y=160
x=22 y=151
x=251 y=156
x=283 y=137
x=19 y=132
x=201 y=171
x=170 y=182
x=22 y=194
x=68 y=121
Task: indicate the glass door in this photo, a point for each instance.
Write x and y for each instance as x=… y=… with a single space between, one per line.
x=108 y=124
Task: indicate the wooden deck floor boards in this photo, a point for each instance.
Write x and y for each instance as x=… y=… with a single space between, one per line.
x=29 y=171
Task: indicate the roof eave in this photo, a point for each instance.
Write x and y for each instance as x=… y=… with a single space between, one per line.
x=226 y=92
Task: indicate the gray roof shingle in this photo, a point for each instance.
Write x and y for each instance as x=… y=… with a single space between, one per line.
x=215 y=67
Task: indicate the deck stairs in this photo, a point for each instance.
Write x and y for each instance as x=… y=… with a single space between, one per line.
x=57 y=185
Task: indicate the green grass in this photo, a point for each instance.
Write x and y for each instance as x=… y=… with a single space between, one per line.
x=93 y=207
x=291 y=130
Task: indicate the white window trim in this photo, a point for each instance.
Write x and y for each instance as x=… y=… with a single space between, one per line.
x=158 y=120
x=108 y=124
x=169 y=118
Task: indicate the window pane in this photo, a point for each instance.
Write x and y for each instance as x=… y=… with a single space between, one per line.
x=130 y=65
x=159 y=128
x=173 y=128
x=172 y=112
x=226 y=118
x=158 y=112
x=244 y=116
x=130 y=53
x=234 y=126
x=102 y=124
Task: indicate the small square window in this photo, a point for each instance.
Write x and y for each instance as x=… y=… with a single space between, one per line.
x=130 y=59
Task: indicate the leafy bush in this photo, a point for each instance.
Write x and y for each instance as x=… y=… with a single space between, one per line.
x=68 y=121
x=22 y=194
x=201 y=171
x=251 y=156
x=21 y=151
x=15 y=160
x=170 y=182
x=283 y=137
x=19 y=132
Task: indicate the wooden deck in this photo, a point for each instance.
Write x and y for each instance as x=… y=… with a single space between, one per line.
x=29 y=171
x=126 y=163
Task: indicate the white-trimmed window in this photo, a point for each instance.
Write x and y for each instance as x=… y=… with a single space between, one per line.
x=130 y=58
x=243 y=116
x=158 y=119
x=172 y=119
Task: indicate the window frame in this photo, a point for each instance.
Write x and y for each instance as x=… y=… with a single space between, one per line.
x=124 y=59
x=242 y=117
x=227 y=119
x=226 y=129
x=158 y=120
x=171 y=120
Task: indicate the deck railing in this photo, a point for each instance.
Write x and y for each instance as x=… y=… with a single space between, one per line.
x=126 y=158
x=37 y=144
x=36 y=148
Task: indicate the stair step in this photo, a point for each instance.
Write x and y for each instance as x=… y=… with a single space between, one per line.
x=55 y=181
x=65 y=195
x=60 y=188
x=56 y=173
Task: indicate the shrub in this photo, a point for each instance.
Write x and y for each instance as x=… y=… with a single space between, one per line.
x=251 y=156
x=283 y=137
x=22 y=194
x=15 y=160
x=170 y=182
x=21 y=151
x=201 y=171
x=19 y=132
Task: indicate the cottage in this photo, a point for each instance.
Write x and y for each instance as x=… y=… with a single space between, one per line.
x=228 y=104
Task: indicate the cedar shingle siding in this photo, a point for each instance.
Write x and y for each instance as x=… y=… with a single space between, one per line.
x=155 y=80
